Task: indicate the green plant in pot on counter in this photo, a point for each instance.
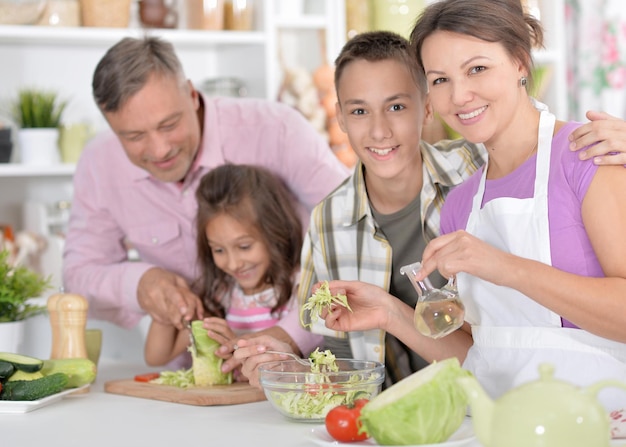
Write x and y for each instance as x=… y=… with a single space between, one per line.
x=18 y=284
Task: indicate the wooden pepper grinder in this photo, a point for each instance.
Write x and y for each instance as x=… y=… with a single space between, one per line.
x=68 y=320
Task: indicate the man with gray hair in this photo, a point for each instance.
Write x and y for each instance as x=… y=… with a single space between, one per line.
x=134 y=185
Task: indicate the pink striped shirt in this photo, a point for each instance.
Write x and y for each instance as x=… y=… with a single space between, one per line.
x=251 y=313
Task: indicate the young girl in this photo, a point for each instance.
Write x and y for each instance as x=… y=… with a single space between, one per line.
x=249 y=237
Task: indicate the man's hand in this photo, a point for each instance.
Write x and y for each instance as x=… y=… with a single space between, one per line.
x=167 y=297
x=607 y=136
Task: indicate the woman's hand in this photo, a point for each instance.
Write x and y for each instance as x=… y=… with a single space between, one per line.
x=250 y=352
x=606 y=134
x=462 y=252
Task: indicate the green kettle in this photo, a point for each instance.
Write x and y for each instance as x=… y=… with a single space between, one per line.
x=543 y=413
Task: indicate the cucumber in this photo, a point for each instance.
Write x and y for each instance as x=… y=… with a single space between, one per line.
x=34 y=389
x=79 y=371
x=6 y=370
x=22 y=362
x=21 y=375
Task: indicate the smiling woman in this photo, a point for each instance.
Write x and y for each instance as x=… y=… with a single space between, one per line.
x=522 y=285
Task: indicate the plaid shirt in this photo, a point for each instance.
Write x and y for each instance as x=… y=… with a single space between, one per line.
x=344 y=242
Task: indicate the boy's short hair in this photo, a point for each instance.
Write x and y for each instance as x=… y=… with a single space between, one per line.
x=374 y=46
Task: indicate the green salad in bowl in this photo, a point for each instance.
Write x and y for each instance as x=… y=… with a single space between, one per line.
x=307 y=394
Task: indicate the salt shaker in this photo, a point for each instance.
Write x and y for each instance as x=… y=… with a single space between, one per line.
x=68 y=320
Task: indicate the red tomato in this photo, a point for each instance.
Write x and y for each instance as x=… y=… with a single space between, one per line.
x=146 y=377
x=343 y=424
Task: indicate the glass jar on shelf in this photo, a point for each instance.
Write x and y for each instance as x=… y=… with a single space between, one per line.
x=205 y=14
x=239 y=15
x=61 y=13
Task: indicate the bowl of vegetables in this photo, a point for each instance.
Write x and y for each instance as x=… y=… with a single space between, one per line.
x=307 y=393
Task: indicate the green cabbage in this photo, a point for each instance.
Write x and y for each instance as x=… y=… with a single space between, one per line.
x=322 y=298
x=206 y=365
x=183 y=378
x=323 y=361
x=315 y=403
x=426 y=407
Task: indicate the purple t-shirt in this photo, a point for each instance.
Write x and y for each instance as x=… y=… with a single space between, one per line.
x=568 y=183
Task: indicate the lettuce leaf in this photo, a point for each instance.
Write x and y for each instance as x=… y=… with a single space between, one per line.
x=322 y=298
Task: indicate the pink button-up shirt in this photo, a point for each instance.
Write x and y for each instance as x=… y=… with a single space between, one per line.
x=115 y=201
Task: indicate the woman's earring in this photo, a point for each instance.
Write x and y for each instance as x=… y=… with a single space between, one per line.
x=523 y=81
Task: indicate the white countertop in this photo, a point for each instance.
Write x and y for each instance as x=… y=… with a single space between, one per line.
x=99 y=419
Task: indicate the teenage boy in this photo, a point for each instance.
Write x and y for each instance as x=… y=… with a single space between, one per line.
x=381 y=217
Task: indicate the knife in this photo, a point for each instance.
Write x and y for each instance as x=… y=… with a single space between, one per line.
x=192 y=340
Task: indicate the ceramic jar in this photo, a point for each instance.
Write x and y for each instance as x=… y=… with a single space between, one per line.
x=158 y=14
x=39 y=146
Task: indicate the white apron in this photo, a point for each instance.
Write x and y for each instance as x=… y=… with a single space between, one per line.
x=512 y=333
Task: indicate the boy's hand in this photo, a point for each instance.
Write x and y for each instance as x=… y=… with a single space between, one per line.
x=605 y=134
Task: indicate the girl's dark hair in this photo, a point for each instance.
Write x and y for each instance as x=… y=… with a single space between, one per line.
x=126 y=67
x=375 y=46
x=256 y=196
x=502 y=21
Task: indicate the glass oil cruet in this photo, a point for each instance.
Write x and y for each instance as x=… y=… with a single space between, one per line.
x=438 y=312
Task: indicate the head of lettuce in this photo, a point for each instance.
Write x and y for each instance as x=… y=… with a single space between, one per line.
x=426 y=407
x=207 y=366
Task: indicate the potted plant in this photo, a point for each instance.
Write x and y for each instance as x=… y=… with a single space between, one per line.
x=38 y=114
x=18 y=284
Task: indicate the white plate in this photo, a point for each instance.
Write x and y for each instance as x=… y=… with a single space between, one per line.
x=463 y=436
x=24 y=406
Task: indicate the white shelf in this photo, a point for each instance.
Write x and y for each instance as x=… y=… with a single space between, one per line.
x=301 y=22
x=23 y=170
x=84 y=36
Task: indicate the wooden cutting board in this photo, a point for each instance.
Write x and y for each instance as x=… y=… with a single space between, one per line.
x=236 y=393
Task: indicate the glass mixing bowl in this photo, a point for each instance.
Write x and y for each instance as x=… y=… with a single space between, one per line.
x=301 y=395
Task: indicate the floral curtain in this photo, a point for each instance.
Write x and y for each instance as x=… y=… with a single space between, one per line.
x=596 y=59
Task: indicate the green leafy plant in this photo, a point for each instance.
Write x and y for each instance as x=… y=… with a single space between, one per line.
x=38 y=109
x=17 y=286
